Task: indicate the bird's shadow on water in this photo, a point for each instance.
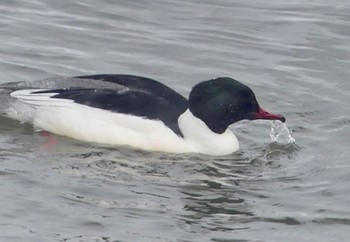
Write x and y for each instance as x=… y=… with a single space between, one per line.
x=210 y=187
x=223 y=191
x=10 y=126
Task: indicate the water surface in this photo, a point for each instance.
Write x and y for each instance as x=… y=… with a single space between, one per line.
x=294 y=55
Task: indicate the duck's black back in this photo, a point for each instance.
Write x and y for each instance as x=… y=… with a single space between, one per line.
x=140 y=96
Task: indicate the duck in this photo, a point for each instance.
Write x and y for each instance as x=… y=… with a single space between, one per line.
x=136 y=111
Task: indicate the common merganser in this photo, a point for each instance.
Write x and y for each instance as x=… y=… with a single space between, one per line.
x=136 y=111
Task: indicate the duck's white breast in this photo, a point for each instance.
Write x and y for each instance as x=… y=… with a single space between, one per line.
x=204 y=140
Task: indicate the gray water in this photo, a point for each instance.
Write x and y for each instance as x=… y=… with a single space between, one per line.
x=295 y=55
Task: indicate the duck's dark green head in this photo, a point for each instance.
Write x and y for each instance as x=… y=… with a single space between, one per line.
x=223 y=101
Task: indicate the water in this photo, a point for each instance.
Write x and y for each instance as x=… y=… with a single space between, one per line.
x=294 y=55
x=281 y=133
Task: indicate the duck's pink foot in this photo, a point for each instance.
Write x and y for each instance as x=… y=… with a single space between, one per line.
x=50 y=140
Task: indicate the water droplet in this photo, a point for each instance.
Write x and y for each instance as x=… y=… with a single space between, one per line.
x=281 y=133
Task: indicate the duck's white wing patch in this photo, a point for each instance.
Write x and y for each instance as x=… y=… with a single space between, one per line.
x=35 y=97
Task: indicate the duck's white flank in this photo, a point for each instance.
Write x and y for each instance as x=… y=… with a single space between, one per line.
x=67 y=118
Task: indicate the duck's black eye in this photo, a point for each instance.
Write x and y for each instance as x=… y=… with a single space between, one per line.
x=253 y=106
x=253 y=103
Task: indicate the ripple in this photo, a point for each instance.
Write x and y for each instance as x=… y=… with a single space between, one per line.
x=332 y=221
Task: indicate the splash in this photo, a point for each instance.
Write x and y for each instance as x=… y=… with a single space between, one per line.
x=281 y=133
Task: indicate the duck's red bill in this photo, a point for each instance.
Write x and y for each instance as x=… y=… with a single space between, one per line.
x=262 y=114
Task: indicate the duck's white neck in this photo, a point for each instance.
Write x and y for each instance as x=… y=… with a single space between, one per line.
x=203 y=140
